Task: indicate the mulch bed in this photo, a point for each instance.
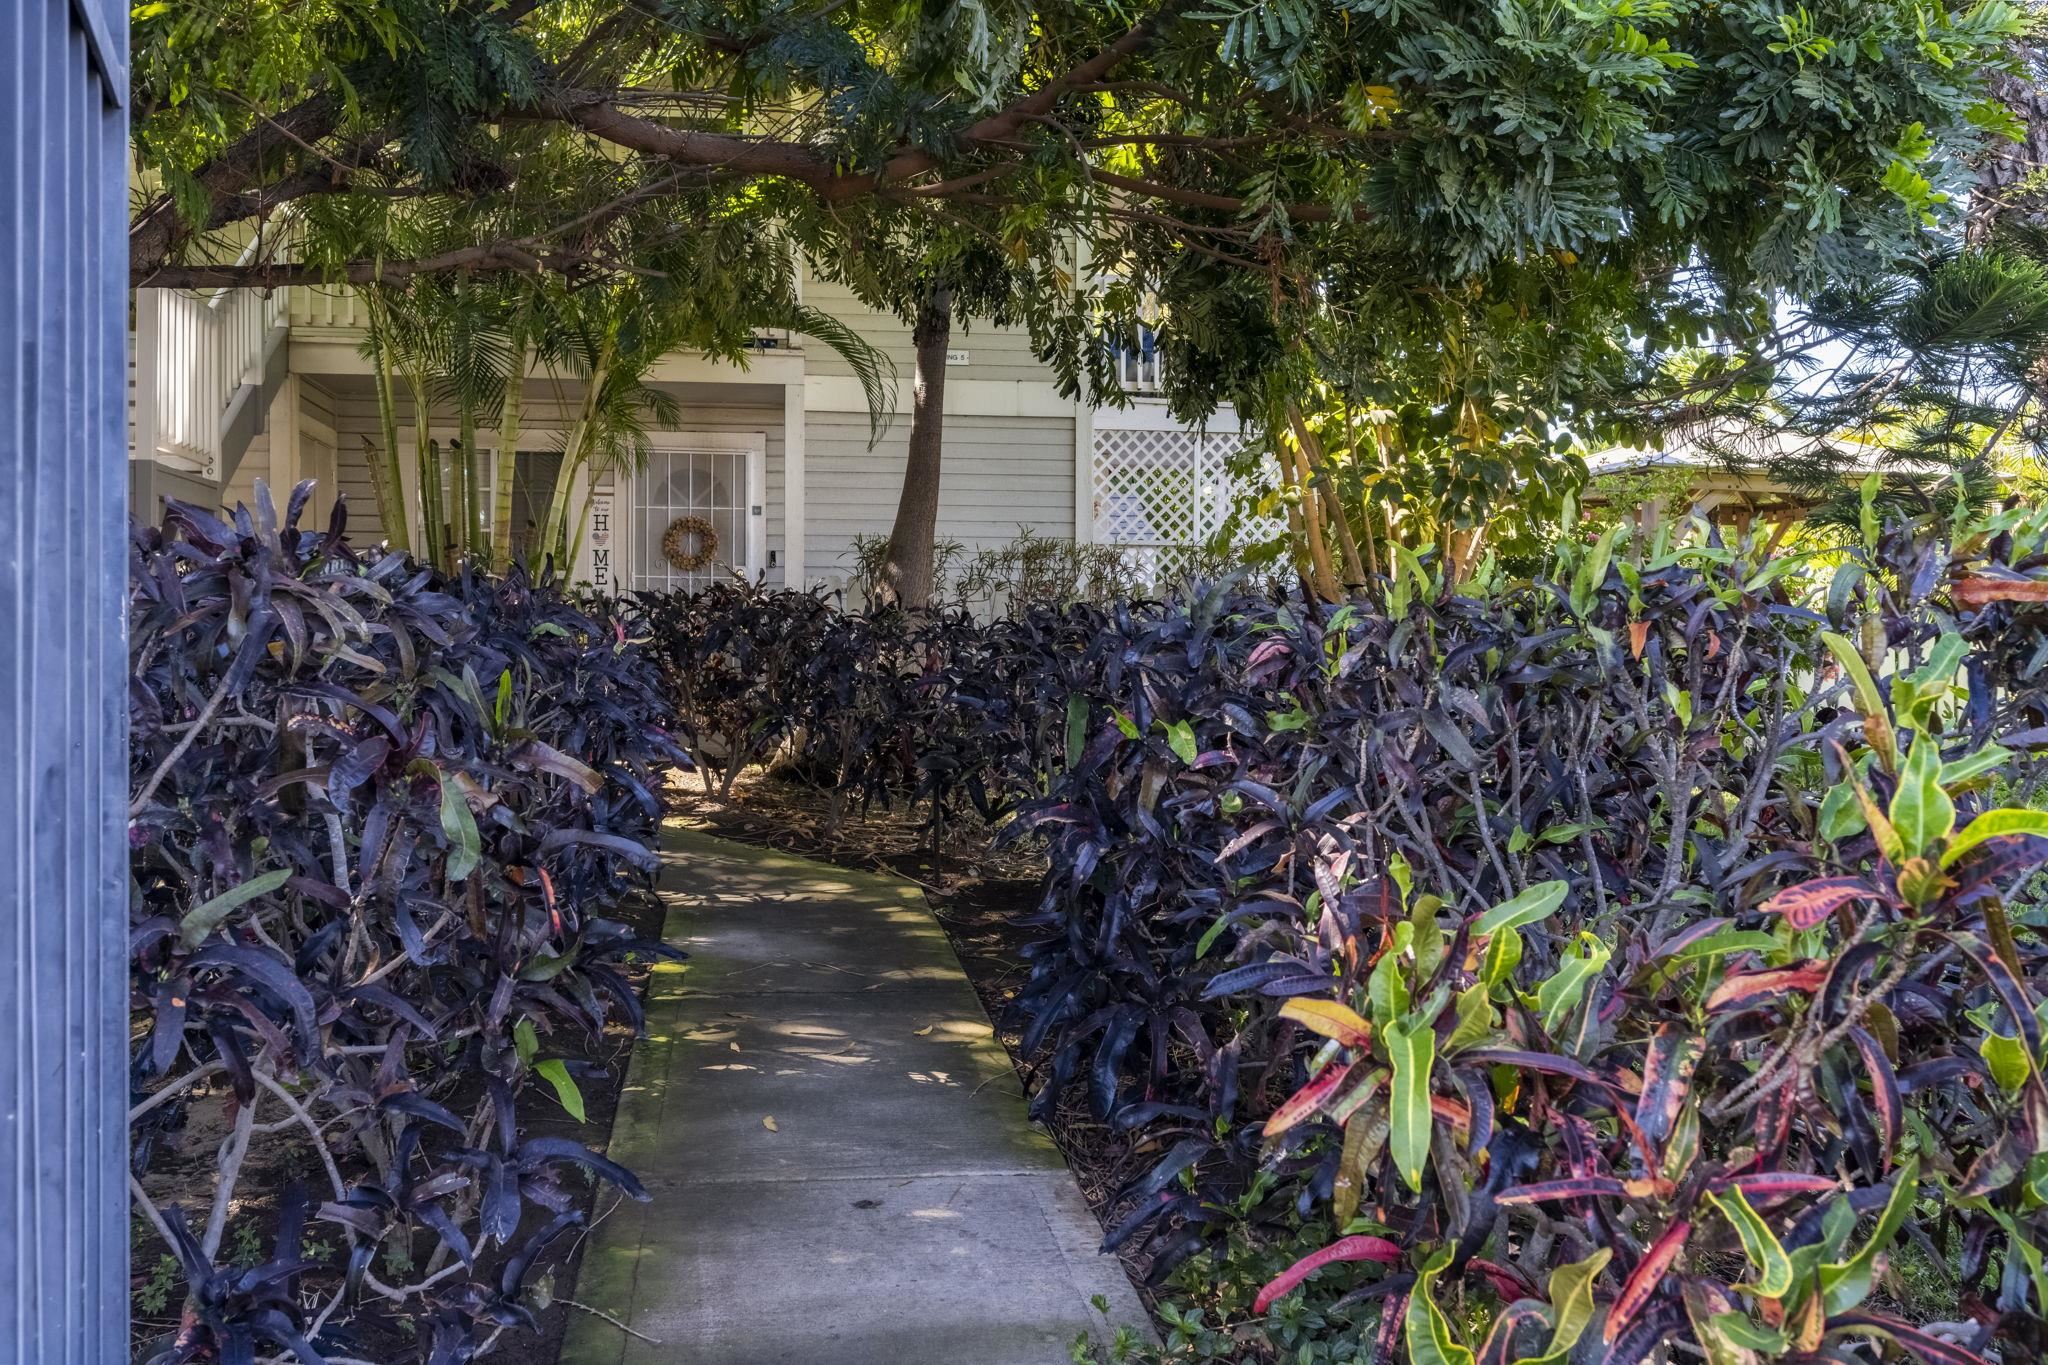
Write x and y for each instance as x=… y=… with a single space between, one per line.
x=981 y=895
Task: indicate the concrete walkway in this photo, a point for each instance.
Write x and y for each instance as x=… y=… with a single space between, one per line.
x=841 y=1167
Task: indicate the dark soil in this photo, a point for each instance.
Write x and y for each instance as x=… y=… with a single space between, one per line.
x=182 y=1171
x=984 y=897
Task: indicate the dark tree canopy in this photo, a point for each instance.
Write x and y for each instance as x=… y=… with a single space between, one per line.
x=1568 y=188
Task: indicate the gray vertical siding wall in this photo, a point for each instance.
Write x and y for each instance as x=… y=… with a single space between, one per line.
x=1002 y=476
x=63 y=659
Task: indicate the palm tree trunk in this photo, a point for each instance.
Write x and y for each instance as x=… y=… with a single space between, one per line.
x=574 y=453
x=1294 y=468
x=427 y=460
x=386 y=484
x=1312 y=455
x=907 y=570
x=473 y=542
x=508 y=456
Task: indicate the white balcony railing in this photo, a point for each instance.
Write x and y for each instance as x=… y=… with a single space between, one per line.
x=192 y=353
x=1140 y=363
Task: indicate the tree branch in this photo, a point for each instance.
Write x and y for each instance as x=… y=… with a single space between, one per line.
x=492 y=258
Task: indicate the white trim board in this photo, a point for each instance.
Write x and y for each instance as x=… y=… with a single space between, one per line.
x=964 y=397
x=1150 y=414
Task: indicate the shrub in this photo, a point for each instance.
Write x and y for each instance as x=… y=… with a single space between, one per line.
x=378 y=816
x=1641 y=953
x=1597 y=951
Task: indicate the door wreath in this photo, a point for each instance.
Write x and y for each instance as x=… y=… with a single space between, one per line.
x=675 y=544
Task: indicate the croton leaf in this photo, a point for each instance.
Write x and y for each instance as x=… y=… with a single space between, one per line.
x=1356 y=1248
x=1808 y=904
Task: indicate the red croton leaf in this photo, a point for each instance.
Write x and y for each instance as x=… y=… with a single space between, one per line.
x=1508 y=1282
x=1667 y=1077
x=1306 y=1100
x=1583 y=1187
x=1747 y=990
x=1344 y=1249
x=1643 y=1280
x=1979 y=590
x=1809 y=903
x=1765 y=1188
x=1921 y=1343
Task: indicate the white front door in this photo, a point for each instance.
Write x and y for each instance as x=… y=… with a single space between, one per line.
x=694 y=482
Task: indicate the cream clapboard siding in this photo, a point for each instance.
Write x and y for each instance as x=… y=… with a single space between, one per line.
x=315 y=418
x=241 y=485
x=999 y=474
x=318 y=461
x=992 y=352
x=547 y=413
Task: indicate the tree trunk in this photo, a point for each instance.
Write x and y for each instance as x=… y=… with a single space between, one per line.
x=1318 y=466
x=575 y=451
x=1294 y=469
x=386 y=484
x=427 y=459
x=470 y=500
x=907 y=571
x=508 y=457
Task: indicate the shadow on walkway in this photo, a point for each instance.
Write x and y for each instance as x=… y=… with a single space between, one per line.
x=841 y=1166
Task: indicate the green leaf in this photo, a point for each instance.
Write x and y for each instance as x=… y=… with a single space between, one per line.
x=1869 y=700
x=1571 y=1306
x=1428 y=1331
x=2007 y=1058
x=1942 y=661
x=1773 y=1267
x=1538 y=902
x=525 y=1039
x=1180 y=737
x=1921 y=811
x=1411 y=1046
x=556 y=1073
x=1475 y=1019
x=1991 y=825
x=204 y=918
x=1841 y=814
x=1126 y=726
x=503 y=713
x=1749 y=1335
x=464 y=847
x=1593 y=572
x=1279 y=722
x=1559 y=995
x=1387 y=987
x=1727 y=941
x=1210 y=935
x=1077 y=727
x=1427 y=936
x=1845 y=1284
x=1842 y=589
x=1990 y=758
x=1503 y=955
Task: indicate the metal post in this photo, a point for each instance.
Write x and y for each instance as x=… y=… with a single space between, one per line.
x=63 y=662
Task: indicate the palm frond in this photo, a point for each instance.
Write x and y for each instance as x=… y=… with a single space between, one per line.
x=874 y=369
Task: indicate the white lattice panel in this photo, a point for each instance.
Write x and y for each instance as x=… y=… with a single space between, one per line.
x=1160 y=492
